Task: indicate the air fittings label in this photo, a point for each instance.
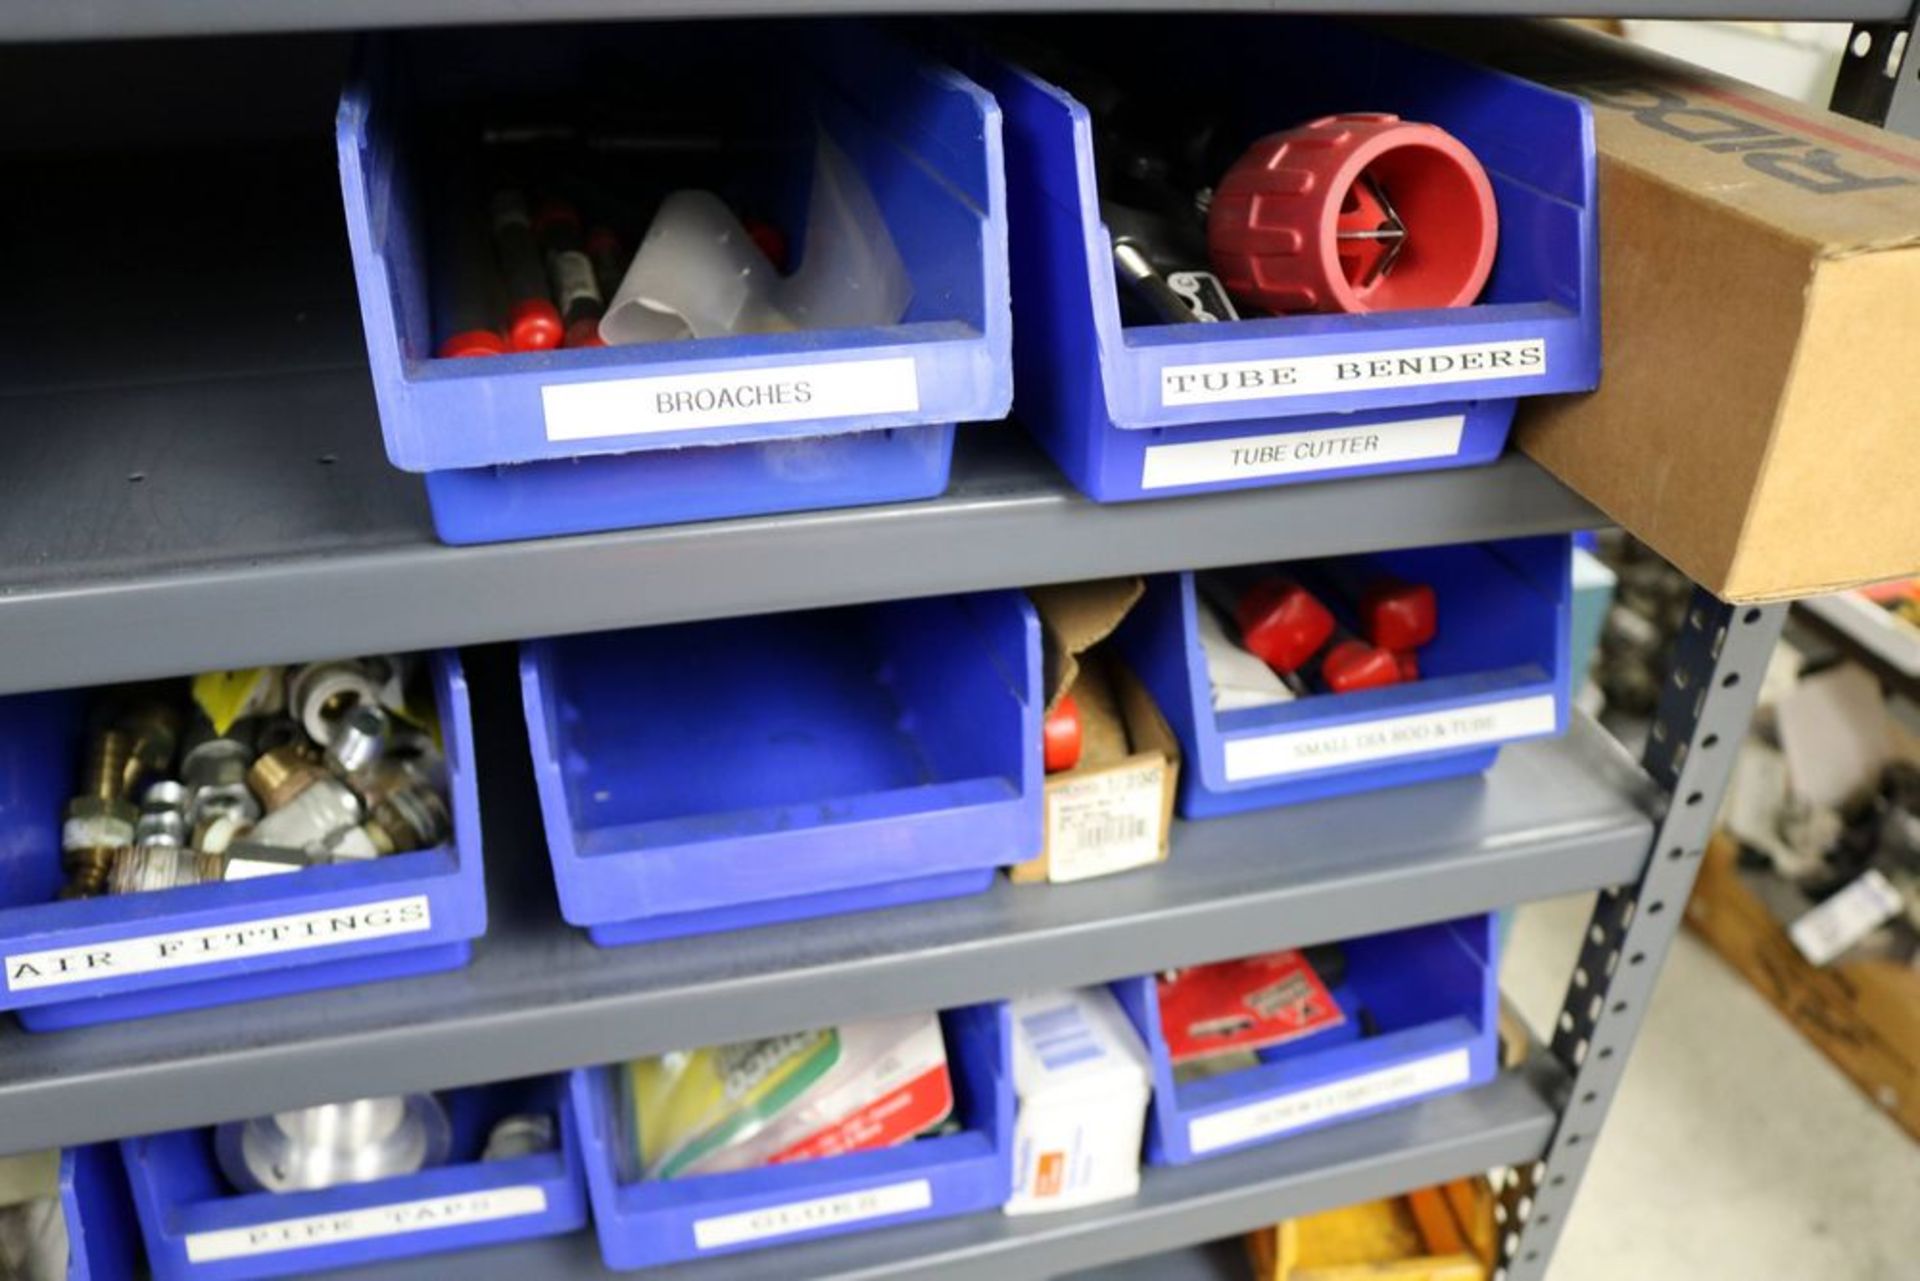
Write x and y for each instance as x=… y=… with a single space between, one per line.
x=1235 y=380
x=182 y=949
x=809 y=1216
x=360 y=1225
x=1293 y=453
x=1268 y=1117
x=730 y=398
x=1301 y=751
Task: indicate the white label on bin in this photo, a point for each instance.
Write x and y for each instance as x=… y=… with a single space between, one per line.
x=398 y=1219
x=179 y=949
x=808 y=1216
x=1105 y=821
x=1299 y=751
x=731 y=398
x=1351 y=371
x=1269 y=1117
x=1293 y=452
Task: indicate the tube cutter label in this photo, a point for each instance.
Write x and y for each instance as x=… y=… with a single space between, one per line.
x=1293 y=453
x=181 y=949
x=360 y=1225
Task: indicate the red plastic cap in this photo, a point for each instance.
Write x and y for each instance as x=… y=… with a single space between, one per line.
x=1060 y=736
x=554 y=213
x=1353 y=665
x=1354 y=213
x=603 y=241
x=770 y=240
x=584 y=332
x=535 y=325
x=1282 y=623
x=1409 y=665
x=473 y=342
x=1399 y=615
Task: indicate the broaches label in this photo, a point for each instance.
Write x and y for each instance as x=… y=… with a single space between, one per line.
x=730 y=398
x=179 y=949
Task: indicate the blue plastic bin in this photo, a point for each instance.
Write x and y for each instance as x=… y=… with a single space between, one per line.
x=508 y=452
x=1495 y=674
x=645 y=1223
x=1157 y=410
x=1433 y=994
x=103 y=1242
x=717 y=775
x=196 y=1226
x=82 y=961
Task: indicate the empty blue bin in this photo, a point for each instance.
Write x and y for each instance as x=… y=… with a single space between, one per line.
x=196 y=1226
x=1495 y=673
x=717 y=775
x=81 y=961
x=570 y=441
x=1156 y=410
x=103 y=1242
x=1432 y=996
x=643 y=1223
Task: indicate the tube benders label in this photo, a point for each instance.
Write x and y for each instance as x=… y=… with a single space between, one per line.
x=1301 y=751
x=1226 y=381
x=398 y=1219
x=808 y=1216
x=730 y=398
x=1293 y=453
x=1268 y=1117
x=180 y=949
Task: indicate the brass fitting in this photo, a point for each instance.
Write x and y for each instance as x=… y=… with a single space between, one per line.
x=153 y=734
x=280 y=775
x=411 y=818
x=99 y=821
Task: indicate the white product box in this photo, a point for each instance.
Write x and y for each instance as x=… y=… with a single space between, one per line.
x=1081 y=1078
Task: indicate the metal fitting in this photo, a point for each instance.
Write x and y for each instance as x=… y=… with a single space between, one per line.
x=321 y=694
x=359 y=739
x=413 y=818
x=245 y=860
x=99 y=821
x=161 y=827
x=323 y=1147
x=214 y=833
x=321 y=808
x=160 y=867
x=281 y=775
x=153 y=734
x=522 y=1134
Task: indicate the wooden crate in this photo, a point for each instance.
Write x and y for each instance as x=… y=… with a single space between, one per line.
x=1444 y=1233
x=1864 y=1015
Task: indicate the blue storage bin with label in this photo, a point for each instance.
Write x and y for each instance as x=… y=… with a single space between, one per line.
x=103 y=1241
x=92 y=960
x=644 y=1223
x=1421 y=1011
x=1494 y=673
x=198 y=1227
x=717 y=775
x=580 y=439
x=1152 y=410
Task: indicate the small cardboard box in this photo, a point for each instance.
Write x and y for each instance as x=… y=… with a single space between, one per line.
x=1114 y=810
x=1760 y=303
x=1081 y=1079
x=1444 y=1233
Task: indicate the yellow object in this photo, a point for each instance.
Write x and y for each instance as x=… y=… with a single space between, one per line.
x=681 y=1106
x=227 y=696
x=1418 y=1237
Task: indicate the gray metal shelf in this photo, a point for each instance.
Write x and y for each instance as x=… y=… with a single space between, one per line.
x=1551 y=817
x=204 y=483
x=103 y=19
x=1504 y=1123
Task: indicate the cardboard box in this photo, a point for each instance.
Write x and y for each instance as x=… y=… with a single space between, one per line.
x=1862 y=1014
x=1081 y=1079
x=1760 y=301
x=1445 y=1233
x=1114 y=810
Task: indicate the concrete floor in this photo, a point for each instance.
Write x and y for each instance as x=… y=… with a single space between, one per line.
x=1735 y=1151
